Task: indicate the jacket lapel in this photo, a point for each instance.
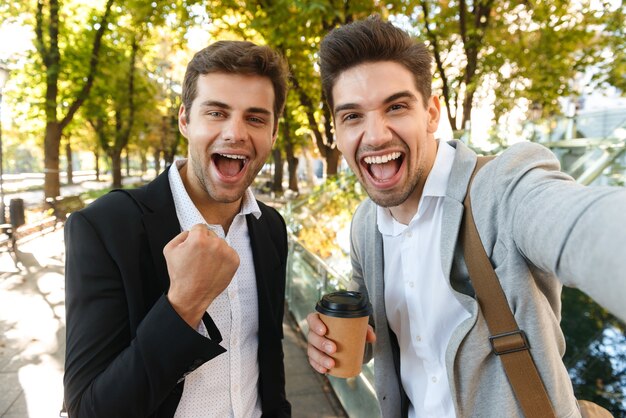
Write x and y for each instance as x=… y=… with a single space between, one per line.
x=464 y=162
x=266 y=264
x=160 y=222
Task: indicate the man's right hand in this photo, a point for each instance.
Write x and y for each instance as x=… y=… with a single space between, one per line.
x=200 y=266
x=320 y=348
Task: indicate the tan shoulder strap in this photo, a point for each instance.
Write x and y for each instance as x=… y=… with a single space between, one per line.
x=507 y=341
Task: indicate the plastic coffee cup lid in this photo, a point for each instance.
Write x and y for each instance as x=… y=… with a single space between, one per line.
x=344 y=304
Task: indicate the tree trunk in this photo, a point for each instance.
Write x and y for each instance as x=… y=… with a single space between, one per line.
x=309 y=170
x=169 y=156
x=127 y=161
x=116 y=168
x=332 y=153
x=144 y=163
x=96 y=155
x=277 y=183
x=467 y=108
x=292 y=161
x=332 y=161
x=325 y=143
x=70 y=168
x=157 y=162
x=169 y=140
x=51 y=57
x=292 y=167
x=52 y=142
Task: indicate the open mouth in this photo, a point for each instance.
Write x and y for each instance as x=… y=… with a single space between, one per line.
x=383 y=167
x=229 y=165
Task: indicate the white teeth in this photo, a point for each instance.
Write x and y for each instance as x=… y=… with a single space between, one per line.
x=233 y=156
x=381 y=159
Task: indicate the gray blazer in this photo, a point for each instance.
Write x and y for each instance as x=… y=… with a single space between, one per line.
x=540 y=230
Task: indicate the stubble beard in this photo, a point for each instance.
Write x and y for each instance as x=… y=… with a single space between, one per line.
x=202 y=176
x=390 y=199
x=203 y=180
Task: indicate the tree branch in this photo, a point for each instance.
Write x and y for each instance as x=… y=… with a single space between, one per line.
x=439 y=63
x=95 y=57
x=306 y=101
x=40 y=45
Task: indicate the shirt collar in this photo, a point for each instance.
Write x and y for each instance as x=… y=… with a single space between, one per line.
x=437 y=181
x=182 y=200
x=435 y=186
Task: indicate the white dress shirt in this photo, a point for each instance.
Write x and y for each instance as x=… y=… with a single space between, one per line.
x=227 y=385
x=420 y=306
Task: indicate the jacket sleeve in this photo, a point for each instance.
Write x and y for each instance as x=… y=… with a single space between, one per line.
x=575 y=232
x=112 y=370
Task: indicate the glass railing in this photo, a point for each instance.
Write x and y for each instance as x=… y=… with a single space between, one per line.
x=308 y=278
x=591 y=145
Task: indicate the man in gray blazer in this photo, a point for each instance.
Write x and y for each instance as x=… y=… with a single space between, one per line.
x=539 y=228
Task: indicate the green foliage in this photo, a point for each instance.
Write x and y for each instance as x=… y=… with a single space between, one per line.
x=596 y=351
x=530 y=50
x=320 y=216
x=613 y=70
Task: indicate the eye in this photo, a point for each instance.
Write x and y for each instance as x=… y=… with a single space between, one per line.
x=215 y=114
x=349 y=116
x=256 y=120
x=397 y=106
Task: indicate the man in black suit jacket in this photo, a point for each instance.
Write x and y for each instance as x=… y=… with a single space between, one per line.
x=138 y=290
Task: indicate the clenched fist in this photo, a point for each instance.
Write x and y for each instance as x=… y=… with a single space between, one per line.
x=200 y=265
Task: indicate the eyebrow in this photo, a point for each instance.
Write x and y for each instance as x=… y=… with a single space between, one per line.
x=402 y=94
x=222 y=105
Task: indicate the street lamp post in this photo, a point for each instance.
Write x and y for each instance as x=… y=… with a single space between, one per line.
x=4 y=76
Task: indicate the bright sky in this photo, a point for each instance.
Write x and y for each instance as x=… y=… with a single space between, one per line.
x=14 y=40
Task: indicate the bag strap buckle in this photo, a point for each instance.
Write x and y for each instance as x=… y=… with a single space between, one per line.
x=509 y=342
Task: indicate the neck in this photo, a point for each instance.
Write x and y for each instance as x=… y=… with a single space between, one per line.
x=405 y=211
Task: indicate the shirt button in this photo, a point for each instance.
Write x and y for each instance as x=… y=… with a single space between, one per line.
x=410 y=284
x=409 y=234
x=418 y=338
x=434 y=379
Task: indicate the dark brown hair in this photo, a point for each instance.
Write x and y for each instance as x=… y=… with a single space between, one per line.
x=237 y=57
x=373 y=40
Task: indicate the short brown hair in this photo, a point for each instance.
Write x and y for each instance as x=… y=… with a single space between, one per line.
x=237 y=57
x=373 y=40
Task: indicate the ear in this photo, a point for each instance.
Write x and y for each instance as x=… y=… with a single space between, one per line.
x=182 y=121
x=434 y=112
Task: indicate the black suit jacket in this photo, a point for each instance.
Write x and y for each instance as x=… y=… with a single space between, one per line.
x=127 y=349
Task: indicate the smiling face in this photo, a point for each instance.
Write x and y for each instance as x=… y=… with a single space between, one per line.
x=230 y=129
x=385 y=131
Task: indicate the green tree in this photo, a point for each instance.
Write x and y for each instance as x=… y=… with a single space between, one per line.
x=54 y=32
x=531 y=50
x=135 y=93
x=295 y=28
x=613 y=70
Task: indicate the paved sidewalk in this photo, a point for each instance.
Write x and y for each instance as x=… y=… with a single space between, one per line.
x=32 y=340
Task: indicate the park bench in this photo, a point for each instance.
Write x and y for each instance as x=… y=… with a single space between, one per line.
x=8 y=241
x=62 y=206
x=9 y=230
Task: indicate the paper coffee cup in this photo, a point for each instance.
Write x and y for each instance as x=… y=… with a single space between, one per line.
x=345 y=315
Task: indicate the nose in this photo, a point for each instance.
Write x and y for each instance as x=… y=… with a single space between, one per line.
x=235 y=129
x=377 y=130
